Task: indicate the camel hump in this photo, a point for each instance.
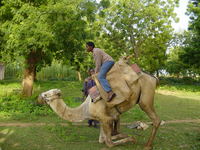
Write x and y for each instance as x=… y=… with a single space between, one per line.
x=121 y=77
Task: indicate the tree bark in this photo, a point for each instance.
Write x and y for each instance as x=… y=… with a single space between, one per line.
x=27 y=82
x=2 y=71
x=30 y=72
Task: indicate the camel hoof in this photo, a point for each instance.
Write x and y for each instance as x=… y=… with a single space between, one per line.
x=148 y=148
x=101 y=142
x=109 y=145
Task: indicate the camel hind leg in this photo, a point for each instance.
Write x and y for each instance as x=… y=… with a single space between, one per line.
x=116 y=127
x=146 y=104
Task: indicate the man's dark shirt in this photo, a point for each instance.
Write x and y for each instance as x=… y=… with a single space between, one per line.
x=87 y=85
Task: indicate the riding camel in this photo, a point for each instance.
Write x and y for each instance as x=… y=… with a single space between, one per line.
x=141 y=91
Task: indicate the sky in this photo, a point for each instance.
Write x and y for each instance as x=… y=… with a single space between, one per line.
x=183 y=19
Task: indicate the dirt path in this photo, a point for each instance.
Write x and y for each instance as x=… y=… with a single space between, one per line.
x=19 y=124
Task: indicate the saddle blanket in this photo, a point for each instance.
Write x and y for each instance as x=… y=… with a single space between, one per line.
x=94 y=94
x=136 y=68
x=120 y=77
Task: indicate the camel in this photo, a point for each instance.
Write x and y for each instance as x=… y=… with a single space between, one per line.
x=142 y=93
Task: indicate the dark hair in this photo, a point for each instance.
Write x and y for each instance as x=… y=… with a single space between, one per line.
x=91 y=69
x=91 y=44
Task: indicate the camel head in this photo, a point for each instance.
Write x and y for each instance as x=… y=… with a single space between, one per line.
x=49 y=96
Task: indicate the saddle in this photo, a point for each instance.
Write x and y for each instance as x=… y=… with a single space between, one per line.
x=120 y=77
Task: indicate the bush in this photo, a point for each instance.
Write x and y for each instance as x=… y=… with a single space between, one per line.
x=178 y=81
x=16 y=104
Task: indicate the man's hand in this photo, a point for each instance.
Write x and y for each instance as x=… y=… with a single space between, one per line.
x=86 y=80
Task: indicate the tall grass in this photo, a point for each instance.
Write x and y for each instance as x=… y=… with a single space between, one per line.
x=56 y=71
x=13 y=71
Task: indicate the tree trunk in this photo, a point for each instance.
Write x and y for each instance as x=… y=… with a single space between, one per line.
x=27 y=82
x=2 y=71
x=35 y=79
x=79 y=76
x=30 y=73
x=136 y=53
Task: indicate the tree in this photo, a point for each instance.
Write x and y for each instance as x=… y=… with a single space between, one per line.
x=191 y=53
x=40 y=30
x=174 y=65
x=139 y=27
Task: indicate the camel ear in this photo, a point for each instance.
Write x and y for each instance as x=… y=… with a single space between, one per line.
x=58 y=92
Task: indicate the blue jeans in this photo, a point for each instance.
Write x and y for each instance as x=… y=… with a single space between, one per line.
x=106 y=66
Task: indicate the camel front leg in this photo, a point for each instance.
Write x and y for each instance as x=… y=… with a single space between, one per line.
x=119 y=136
x=107 y=130
x=107 y=127
x=102 y=135
x=115 y=134
x=125 y=140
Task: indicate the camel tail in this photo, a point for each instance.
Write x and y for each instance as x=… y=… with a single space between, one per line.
x=157 y=80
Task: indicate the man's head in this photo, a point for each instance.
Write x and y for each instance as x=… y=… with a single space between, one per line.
x=91 y=71
x=90 y=46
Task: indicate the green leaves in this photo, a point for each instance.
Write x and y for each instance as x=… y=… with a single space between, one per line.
x=140 y=27
x=53 y=28
x=191 y=51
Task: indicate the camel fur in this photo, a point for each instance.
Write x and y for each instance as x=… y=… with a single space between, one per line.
x=142 y=92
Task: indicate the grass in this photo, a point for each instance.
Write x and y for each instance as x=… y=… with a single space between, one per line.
x=172 y=102
x=13 y=107
x=169 y=137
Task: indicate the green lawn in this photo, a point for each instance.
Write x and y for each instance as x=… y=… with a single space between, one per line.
x=169 y=137
x=171 y=103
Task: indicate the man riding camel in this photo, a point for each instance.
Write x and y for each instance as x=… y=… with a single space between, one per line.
x=103 y=63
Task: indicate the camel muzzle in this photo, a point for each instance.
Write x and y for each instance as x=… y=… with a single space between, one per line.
x=48 y=96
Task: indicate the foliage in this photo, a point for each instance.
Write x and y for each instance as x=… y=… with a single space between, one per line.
x=191 y=53
x=14 y=70
x=142 y=28
x=177 y=64
x=55 y=29
x=41 y=31
x=13 y=104
x=50 y=30
x=174 y=66
x=179 y=81
x=57 y=71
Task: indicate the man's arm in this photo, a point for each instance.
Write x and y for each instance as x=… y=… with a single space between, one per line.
x=98 y=61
